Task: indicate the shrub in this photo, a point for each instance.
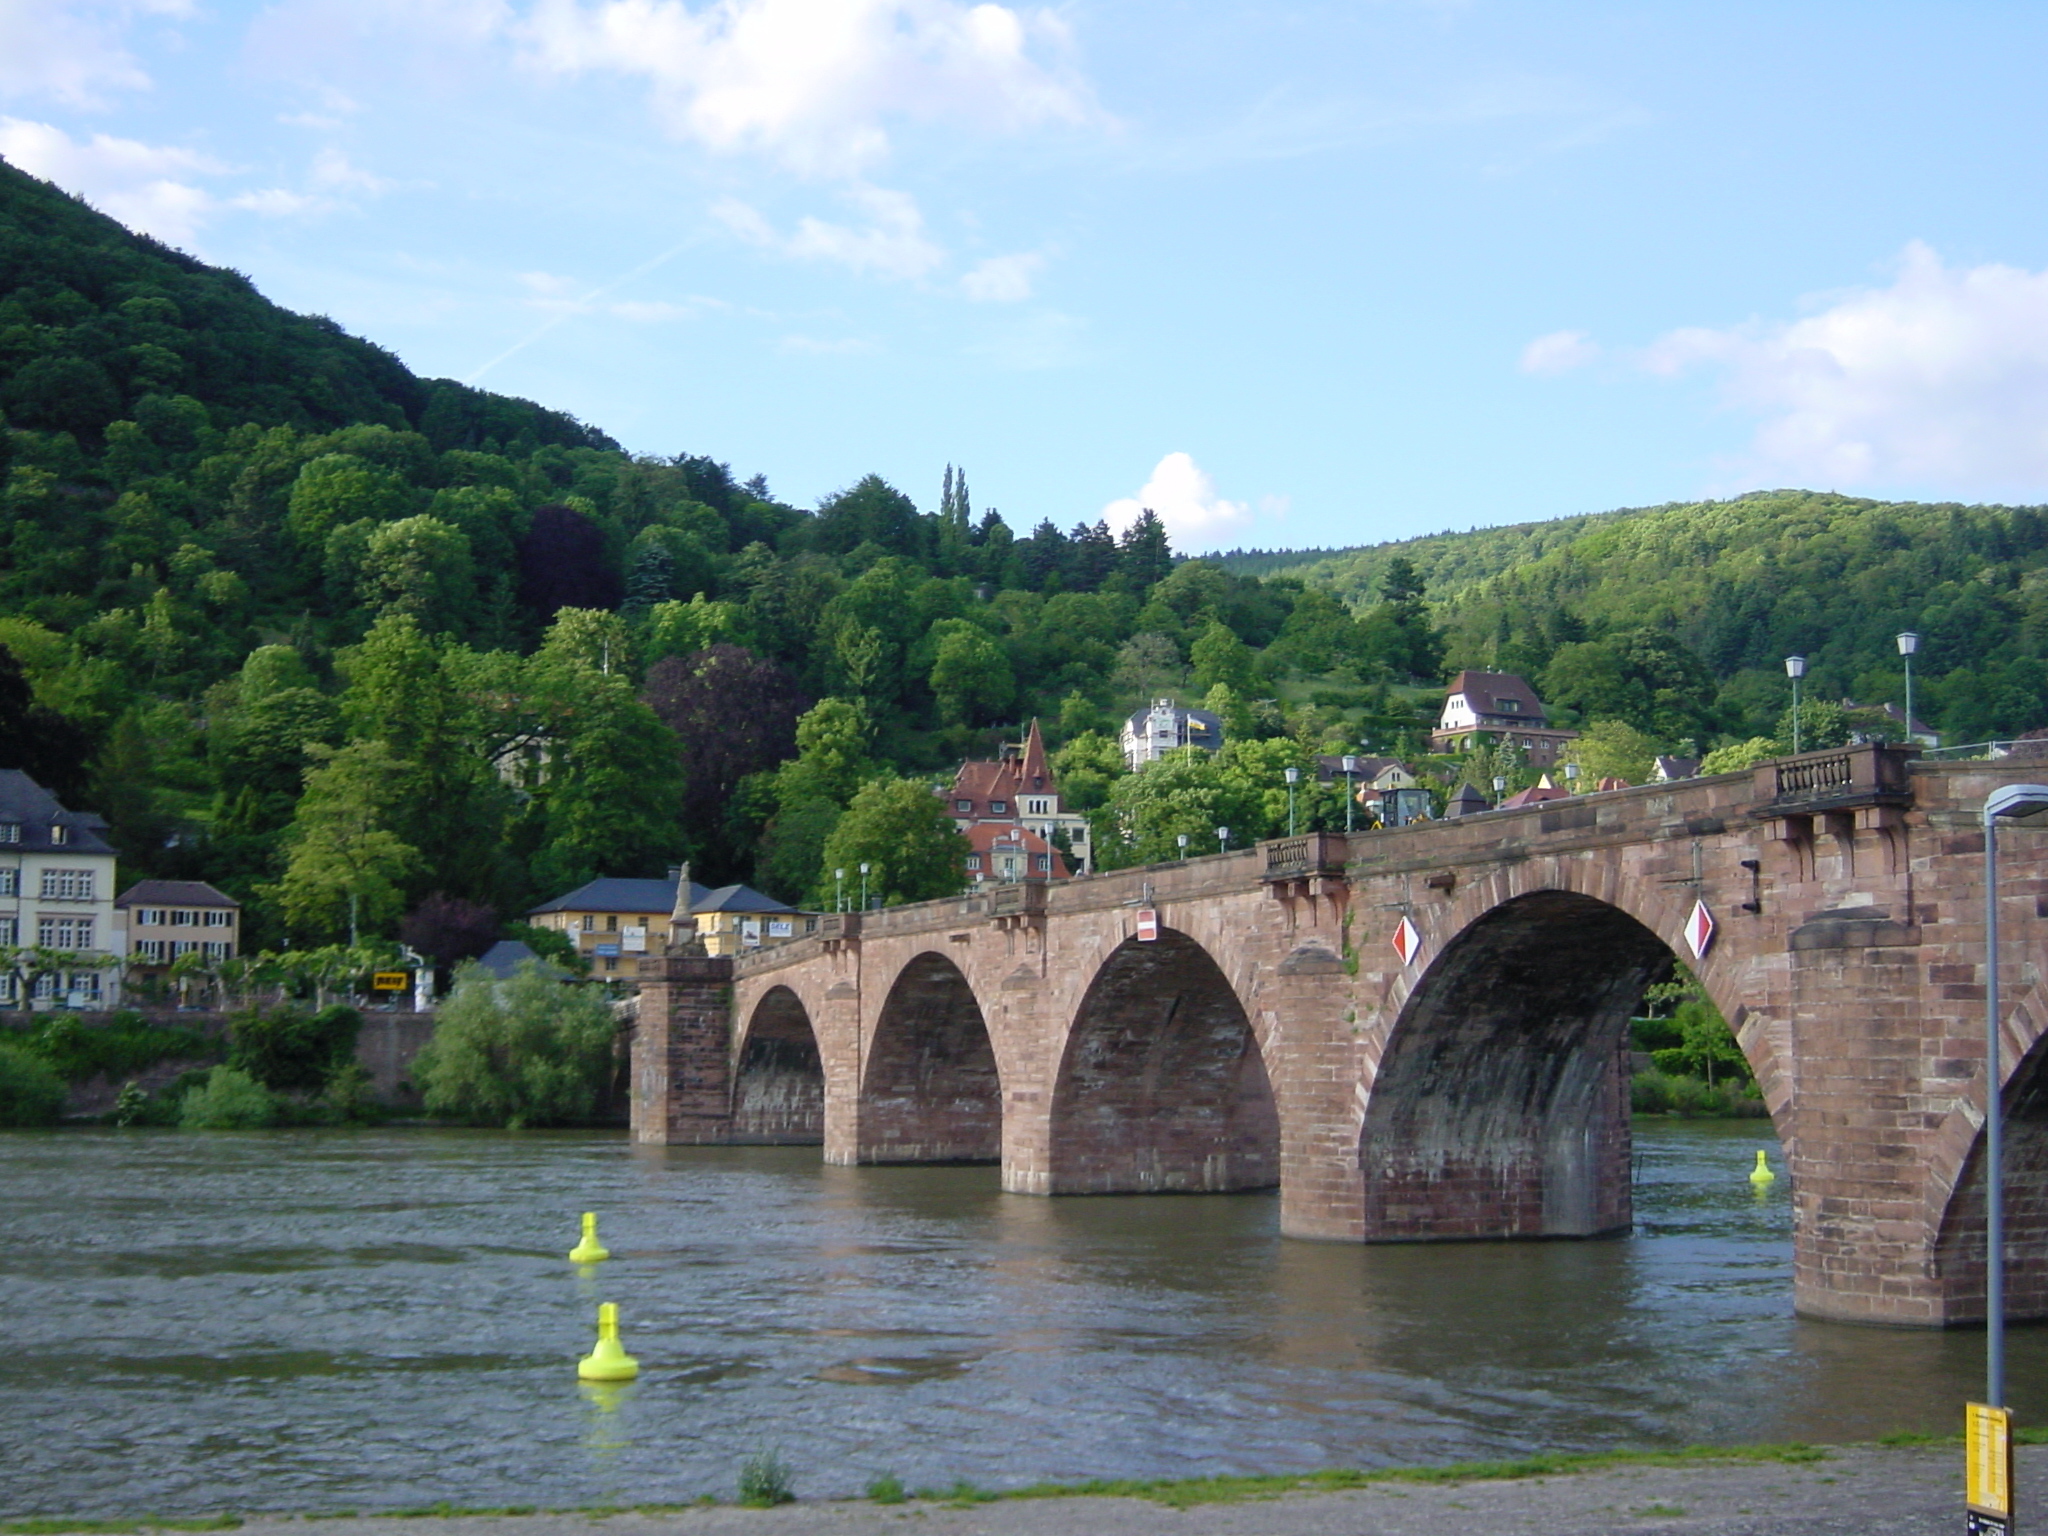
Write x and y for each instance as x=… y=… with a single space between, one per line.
x=31 y=1092
x=764 y=1481
x=229 y=1100
x=288 y=1050
x=131 y=1104
x=351 y=1094
x=887 y=1489
x=520 y=1052
x=126 y=1044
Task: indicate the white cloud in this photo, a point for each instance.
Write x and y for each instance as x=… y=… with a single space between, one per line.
x=1940 y=378
x=70 y=50
x=1185 y=498
x=1559 y=352
x=150 y=187
x=334 y=170
x=892 y=242
x=814 y=83
x=1002 y=279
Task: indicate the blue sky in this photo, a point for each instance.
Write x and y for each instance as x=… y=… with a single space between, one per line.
x=1296 y=274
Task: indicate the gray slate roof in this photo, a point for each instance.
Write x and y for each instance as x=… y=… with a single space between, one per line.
x=35 y=810
x=611 y=894
x=173 y=893
x=506 y=956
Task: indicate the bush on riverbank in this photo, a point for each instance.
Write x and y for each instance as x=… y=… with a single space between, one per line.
x=31 y=1092
x=1674 y=1093
x=522 y=1052
x=229 y=1100
x=289 y=1050
x=126 y=1045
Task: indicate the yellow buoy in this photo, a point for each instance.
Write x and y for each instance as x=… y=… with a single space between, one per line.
x=590 y=1250
x=608 y=1360
x=1761 y=1174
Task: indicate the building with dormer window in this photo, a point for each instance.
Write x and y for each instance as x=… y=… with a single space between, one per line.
x=56 y=892
x=1018 y=790
x=1497 y=709
x=156 y=921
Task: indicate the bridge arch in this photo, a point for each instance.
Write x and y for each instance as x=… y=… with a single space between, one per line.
x=778 y=1083
x=931 y=1090
x=1500 y=1102
x=1163 y=1084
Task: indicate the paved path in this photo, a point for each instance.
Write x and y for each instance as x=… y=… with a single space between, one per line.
x=1853 y=1492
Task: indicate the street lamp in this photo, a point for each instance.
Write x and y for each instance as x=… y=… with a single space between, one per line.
x=1571 y=777
x=838 y=890
x=1908 y=644
x=1350 y=790
x=863 y=885
x=1223 y=839
x=1181 y=839
x=1293 y=778
x=1795 y=668
x=1500 y=790
x=2008 y=800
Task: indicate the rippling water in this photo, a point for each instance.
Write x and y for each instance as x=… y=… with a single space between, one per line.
x=353 y=1321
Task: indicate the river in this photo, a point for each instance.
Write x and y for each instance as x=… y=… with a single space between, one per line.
x=377 y=1319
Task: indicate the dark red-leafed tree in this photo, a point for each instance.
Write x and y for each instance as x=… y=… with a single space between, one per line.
x=736 y=714
x=448 y=930
x=563 y=564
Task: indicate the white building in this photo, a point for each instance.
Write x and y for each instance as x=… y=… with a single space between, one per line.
x=56 y=892
x=1164 y=726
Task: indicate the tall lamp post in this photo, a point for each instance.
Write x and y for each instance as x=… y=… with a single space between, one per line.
x=1571 y=778
x=2007 y=801
x=1181 y=840
x=1908 y=644
x=1795 y=668
x=1293 y=778
x=863 y=885
x=838 y=890
x=1223 y=839
x=1500 y=790
x=1350 y=789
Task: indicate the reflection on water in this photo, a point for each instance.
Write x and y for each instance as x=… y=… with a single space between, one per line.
x=360 y=1321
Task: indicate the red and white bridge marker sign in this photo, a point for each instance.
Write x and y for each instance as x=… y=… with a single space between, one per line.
x=1407 y=942
x=1699 y=930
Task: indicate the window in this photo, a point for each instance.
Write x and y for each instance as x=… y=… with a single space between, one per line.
x=1043 y=861
x=611 y=965
x=217 y=949
x=10 y=831
x=220 y=918
x=10 y=882
x=10 y=931
x=1510 y=706
x=999 y=807
x=974 y=861
x=589 y=923
x=964 y=807
x=180 y=918
x=67 y=885
x=149 y=917
x=59 y=834
x=611 y=924
x=151 y=950
x=64 y=932
x=183 y=946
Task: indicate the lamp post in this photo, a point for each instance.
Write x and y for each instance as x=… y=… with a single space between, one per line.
x=1350 y=790
x=1571 y=777
x=838 y=890
x=2008 y=800
x=1293 y=778
x=863 y=885
x=1908 y=644
x=1795 y=668
x=1223 y=839
x=1181 y=840
x=1500 y=790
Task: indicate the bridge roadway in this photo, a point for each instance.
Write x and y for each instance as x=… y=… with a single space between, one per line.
x=1272 y=1034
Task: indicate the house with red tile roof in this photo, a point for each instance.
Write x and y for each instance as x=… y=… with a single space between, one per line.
x=1018 y=790
x=1497 y=709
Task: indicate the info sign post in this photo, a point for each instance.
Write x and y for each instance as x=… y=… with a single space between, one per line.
x=1148 y=925
x=1988 y=1486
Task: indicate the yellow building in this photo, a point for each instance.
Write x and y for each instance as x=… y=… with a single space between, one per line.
x=613 y=922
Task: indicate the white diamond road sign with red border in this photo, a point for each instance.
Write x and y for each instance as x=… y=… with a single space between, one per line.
x=1407 y=942
x=1699 y=930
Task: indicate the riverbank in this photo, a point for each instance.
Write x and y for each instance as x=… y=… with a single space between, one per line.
x=1839 y=1491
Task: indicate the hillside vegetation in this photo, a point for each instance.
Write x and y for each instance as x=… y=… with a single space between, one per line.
x=1741 y=585
x=362 y=648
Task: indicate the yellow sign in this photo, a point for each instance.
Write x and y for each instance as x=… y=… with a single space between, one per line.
x=389 y=981
x=1988 y=1441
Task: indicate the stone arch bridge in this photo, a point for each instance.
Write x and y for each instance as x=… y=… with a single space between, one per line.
x=1268 y=1032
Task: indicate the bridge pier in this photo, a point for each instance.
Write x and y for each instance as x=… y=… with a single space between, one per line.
x=681 y=1061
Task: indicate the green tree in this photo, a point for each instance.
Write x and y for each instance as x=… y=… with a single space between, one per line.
x=1220 y=658
x=1740 y=756
x=1612 y=749
x=900 y=829
x=526 y=1051
x=346 y=867
x=1086 y=768
x=611 y=798
x=420 y=567
x=1185 y=792
x=970 y=674
x=832 y=755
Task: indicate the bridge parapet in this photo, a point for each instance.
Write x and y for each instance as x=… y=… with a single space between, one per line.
x=1872 y=773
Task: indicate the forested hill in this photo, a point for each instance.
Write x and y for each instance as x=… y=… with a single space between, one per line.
x=1743 y=583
